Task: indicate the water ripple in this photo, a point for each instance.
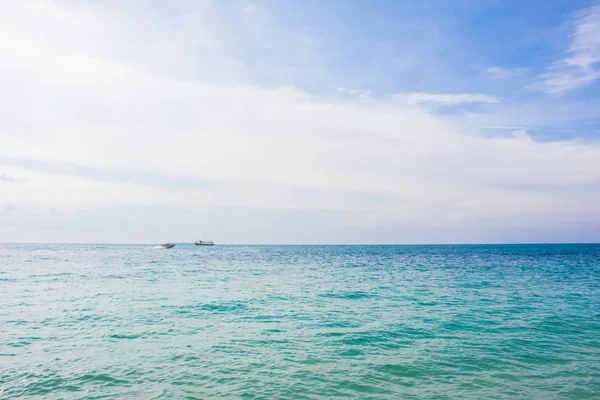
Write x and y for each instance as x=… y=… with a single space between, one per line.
x=300 y=322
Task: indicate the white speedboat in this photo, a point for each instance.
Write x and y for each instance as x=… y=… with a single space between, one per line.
x=203 y=243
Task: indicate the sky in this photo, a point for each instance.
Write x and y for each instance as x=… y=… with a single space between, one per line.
x=300 y=121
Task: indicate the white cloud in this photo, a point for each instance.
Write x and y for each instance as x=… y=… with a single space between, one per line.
x=580 y=65
x=174 y=100
x=522 y=135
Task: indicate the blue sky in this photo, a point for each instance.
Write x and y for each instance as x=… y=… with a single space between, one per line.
x=300 y=121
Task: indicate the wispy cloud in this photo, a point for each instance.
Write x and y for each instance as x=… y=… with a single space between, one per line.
x=499 y=73
x=507 y=128
x=426 y=99
x=8 y=178
x=444 y=99
x=579 y=67
x=354 y=92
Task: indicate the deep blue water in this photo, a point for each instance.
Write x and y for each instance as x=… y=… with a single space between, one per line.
x=300 y=322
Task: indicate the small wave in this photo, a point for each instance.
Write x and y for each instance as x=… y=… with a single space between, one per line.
x=215 y=307
x=354 y=295
x=124 y=336
x=103 y=378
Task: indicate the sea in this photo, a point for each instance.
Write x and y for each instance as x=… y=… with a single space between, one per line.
x=300 y=322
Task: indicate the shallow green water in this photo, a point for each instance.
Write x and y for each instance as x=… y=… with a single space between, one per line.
x=294 y=322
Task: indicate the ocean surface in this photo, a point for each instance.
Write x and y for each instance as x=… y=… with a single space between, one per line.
x=300 y=322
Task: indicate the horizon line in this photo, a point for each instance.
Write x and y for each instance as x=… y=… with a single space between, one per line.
x=314 y=244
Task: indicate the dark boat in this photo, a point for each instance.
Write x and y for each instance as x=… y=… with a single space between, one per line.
x=167 y=245
x=203 y=243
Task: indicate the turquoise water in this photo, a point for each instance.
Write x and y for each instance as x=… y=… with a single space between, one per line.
x=300 y=322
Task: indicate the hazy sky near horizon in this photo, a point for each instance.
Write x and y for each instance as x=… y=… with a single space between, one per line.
x=264 y=121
